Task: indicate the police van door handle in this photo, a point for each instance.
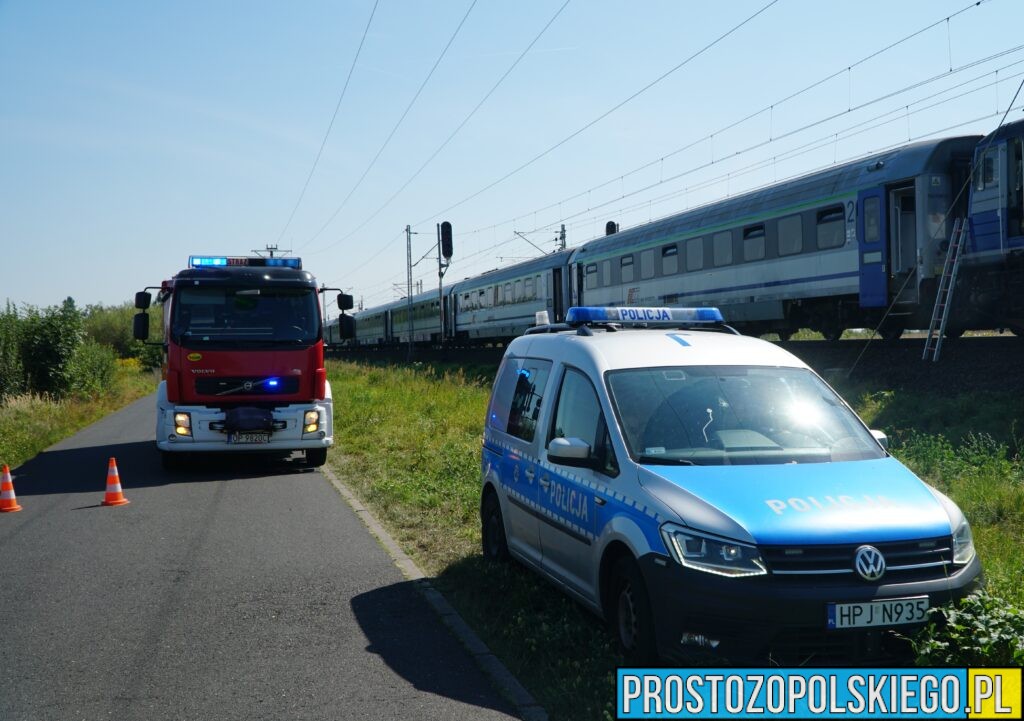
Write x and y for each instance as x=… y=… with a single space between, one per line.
x=545 y=482
x=529 y=473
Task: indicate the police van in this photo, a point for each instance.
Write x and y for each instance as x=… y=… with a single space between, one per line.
x=708 y=494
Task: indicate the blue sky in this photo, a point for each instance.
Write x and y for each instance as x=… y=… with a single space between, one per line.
x=134 y=134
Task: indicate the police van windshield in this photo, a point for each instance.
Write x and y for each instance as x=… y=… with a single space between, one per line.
x=211 y=315
x=723 y=415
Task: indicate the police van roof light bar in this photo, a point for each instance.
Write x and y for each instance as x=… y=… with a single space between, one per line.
x=632 y=315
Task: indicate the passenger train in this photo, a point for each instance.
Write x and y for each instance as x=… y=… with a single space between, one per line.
x=828 y=251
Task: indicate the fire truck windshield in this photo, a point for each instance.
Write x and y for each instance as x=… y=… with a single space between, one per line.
x=231 y=314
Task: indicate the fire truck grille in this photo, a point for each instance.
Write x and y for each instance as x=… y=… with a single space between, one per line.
x=247 y=386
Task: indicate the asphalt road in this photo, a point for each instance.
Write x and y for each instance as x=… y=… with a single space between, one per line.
x=237 y=591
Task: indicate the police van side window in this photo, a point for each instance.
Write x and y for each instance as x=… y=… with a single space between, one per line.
x=579 y=415
x=516 y=401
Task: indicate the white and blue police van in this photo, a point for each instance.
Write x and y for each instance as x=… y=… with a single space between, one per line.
x=708 y=494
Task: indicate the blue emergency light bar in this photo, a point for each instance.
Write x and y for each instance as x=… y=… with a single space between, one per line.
x=223 y=261
x=647 y=316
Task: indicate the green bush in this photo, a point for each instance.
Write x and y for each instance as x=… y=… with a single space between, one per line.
x=12 y=375
x=92 y=368
x=981 y=630
x=112 y=326
x=48 y=342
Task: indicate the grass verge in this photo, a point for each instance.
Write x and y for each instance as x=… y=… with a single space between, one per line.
x=29 y=424
x=410 y=442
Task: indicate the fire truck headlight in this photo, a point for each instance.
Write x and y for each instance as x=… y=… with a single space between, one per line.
x=183 y=424
x=311 y=422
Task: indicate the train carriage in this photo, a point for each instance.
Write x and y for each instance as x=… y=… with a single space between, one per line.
x=502 y=304
x=992 y=282
x=829 y=250
x=844 y=247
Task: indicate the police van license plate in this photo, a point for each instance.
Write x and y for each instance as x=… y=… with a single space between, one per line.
x=891 y=612
x=249 y=437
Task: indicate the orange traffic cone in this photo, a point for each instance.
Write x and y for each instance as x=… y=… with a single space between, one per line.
x=8 y=503
x=113 y=497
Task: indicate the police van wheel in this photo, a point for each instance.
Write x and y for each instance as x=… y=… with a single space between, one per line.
x=492 y=529
x=633 y=623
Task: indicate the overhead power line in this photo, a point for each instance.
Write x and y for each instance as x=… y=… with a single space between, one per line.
x=455 y=132
x=330 y=125
x=394 y=129
x=770 y=108
x=600 y=117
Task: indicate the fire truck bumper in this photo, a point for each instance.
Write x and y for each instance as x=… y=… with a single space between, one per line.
x=198 y=428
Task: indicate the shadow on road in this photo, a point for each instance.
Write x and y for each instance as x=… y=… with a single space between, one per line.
x=408 y=636
x=84 y=470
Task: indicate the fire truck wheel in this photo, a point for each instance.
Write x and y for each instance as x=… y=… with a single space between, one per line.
x=316 y=457
x=172 y=461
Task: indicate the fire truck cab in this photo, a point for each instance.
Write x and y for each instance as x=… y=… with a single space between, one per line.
x=243 y=363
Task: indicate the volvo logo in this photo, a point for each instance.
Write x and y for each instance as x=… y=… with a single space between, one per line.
x=869 y=562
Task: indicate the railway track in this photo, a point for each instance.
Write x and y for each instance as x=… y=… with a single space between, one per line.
x=982 y=363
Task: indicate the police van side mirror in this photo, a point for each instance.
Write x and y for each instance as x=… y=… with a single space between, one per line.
x=143 y=300
x=571 y=452
x=883 y=440
x=344 y=301
x=140 y=326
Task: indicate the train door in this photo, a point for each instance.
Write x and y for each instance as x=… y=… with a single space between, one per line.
x=903 y=238
x=871 y=242
x=558 y=309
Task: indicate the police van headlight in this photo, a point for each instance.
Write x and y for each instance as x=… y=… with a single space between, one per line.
x=963 y=544
x=712 y=555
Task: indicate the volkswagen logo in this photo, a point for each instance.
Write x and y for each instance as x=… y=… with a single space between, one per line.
x=869 y=562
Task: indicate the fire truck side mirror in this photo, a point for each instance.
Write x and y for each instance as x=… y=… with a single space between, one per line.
x=140 y=326
x=143 y=300
x=346 y=327
x=344 y=301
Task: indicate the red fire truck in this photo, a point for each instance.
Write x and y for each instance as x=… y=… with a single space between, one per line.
x=243 y=359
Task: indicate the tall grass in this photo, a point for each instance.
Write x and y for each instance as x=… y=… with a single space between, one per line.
x=30 y=423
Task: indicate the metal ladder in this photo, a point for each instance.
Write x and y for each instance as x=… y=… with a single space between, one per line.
x=944 y=293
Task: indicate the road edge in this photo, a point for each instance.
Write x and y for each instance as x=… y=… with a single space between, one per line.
x=507 y=684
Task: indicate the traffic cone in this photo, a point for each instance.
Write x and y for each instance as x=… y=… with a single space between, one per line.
x=113 y=497
x=8 y=503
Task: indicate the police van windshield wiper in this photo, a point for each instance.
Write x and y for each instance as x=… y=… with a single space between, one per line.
x=660 y=460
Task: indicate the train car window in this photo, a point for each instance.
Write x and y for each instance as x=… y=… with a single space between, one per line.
x=517 y=296
x=753 y=242
x=591 y=272
x=647 y=264
x=606 y=273
x=538 y=286
x=986 y=173
x=831 y=230
x=529 y=288
x=791 y=235
x=670 y=259
x=626 y=268
x=695 y=254
x=721 y=248
x=872 y=220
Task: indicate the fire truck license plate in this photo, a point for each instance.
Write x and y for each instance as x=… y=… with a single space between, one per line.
x=877 y=613
x=249 y=437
